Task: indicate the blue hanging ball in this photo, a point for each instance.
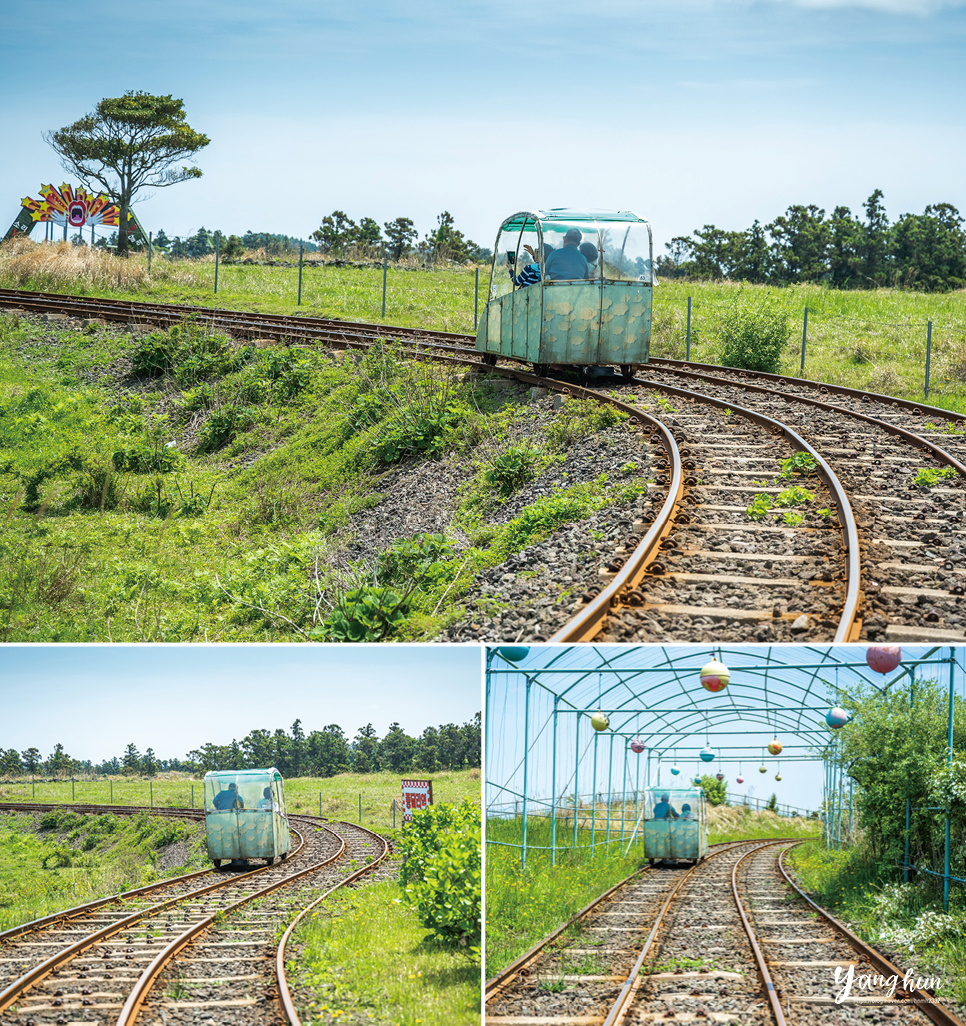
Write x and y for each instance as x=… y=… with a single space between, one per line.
x=513 y=653
x=696 y=781
x=675 y=770
x=707 y=755
x=836 y=718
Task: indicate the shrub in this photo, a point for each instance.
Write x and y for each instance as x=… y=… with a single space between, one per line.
x=144 y=458
x=221 y=426
x=418 y=431
x=511 y=469
x=366 y=614
x=408 y=559
x=441 y=873
x=754 y=338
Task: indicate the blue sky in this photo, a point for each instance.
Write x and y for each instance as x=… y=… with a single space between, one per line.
x=96 y=699
x=688 y=111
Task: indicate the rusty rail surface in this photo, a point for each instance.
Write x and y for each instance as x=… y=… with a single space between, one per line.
x=284 y=993
x=940 y=1014
x=764 y=976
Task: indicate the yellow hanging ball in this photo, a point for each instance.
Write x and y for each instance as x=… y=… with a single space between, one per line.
x=600 y=721
x=715 y=676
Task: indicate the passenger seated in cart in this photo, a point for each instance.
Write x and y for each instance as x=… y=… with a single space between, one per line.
x=267 y=802
x=686 y=811
x=229 y=799
x=567 y=263
x=590 y=253
x=664 y=810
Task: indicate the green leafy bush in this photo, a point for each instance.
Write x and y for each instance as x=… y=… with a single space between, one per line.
x=145 y=458
x=793 y=495
x=511 y=469
x=800 y=463
x=367 y=614
x=221 y=426
x=418 y=430
x=754 y=338
x=759 y=508
x=408 y=559
x=441 y=873
x=580 y=418
x=929 y=477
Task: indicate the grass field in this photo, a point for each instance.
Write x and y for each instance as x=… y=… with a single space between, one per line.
x=524 y=905
x=366 y=953
x=866 y=339
x=339 y=796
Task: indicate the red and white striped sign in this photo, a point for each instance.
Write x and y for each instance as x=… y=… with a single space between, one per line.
x=416 y=794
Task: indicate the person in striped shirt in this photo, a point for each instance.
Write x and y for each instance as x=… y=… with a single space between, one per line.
x=530 y=274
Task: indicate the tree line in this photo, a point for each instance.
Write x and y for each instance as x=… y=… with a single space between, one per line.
x=319 y=753
x=924 y=251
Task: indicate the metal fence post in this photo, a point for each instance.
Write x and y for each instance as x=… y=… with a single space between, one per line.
x=320 y=804
x=150 y=245
x=394 y=813
x=301 y=252
x=385 y=271
x=804 y=337
x=217 y=254
x=928 y=355
x=360 y=807
x=476 y=300
x=192 y=795
x=151 y=792
x=33 y=786
x=687 y=338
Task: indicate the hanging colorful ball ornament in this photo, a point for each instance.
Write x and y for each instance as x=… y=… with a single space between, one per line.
x=719 y=776
x=707 y=755
x=637 y=745
x=778 y=776
x=715 y=676
x=836 y=718
x=675 y=770
x=775 y=746
x=696 y=781
x=514 y=653
x=600 y=721
x=762 y=768
x=883 y=658
x=740 y=780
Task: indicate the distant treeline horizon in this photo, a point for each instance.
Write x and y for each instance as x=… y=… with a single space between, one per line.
x=924 y=251
x=320 y=753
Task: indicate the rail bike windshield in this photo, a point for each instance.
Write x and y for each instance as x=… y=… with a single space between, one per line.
x=253 y=790
x=675 y=803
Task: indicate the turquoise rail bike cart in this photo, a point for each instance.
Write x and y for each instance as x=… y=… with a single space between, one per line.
x=582 y=295
x=245 y=815
x=675 y=824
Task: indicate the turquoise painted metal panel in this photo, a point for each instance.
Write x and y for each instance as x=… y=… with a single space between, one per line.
x=625 y=324
x=571 y=323
x=676 y=826
x=245 y=815
x=519 y=308
x=657 y=839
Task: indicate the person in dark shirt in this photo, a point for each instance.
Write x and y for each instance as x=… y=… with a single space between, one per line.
x=567 y=263
x=229 y=799
x=530 y=275
x=664 y=809
x=686 y=811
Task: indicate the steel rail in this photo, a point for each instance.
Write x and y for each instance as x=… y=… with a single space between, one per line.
x=284 y=993
x=922 y=409
x=893 y=429
x=849 y=625
x=139 y=992
x=16 y=989
x=939 y=1013
x=764 y=976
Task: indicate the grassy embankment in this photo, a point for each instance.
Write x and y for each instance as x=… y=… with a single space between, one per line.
x=213 y=495
x=868 y=895
x=60 y=859
x=522 y=906
x=339 y=796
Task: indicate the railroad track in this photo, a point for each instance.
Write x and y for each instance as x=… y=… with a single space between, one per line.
x=203 y=944
x=871 y=557
x=729 y=940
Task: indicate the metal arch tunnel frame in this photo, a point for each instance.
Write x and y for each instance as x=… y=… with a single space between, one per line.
x=795 y=715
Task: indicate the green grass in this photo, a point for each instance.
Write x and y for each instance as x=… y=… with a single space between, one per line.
x=339 y=795
x=524 y=905
x=212 y=498
x=868 y=895
x=366 y=958
x=62 y=859
x=873 y=340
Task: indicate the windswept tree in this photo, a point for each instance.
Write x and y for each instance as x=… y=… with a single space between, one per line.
x=401 y=234
x=129 y=143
